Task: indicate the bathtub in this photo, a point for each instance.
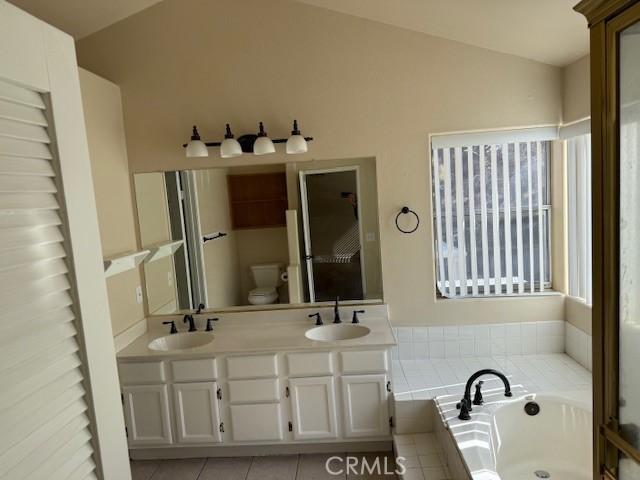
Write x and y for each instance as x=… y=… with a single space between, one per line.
x=503 y=442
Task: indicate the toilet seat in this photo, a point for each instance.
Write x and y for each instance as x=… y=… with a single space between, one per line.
x=263 y=295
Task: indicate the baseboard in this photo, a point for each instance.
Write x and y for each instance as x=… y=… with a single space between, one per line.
x=123 y=339
x=259 y=450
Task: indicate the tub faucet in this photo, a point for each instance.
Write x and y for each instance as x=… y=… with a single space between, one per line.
x=336 y=311
x=465 y=403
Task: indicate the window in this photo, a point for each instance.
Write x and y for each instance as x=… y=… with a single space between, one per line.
x=492 y=214
x=579 y=216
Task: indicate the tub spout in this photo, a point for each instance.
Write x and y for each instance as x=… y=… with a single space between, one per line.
x=465 y=404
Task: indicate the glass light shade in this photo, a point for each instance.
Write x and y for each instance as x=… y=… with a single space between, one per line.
x=230 y=147
x=296 y=144
x=263 y=146
x=197 y=148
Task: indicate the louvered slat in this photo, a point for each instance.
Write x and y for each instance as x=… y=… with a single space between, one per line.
x=21 y=237
x=43 y=407
x=25 y=166
x=26 y=184
x=22 y=113
x=23 y=96
x=23 y=131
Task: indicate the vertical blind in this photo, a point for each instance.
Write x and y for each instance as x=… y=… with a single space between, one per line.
x=579 y=216
x=43 y=411
x=492 y=218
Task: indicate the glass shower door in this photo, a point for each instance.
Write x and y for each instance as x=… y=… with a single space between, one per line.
x=629 y=250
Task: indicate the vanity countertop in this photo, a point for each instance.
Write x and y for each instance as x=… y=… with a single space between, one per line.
x=233 y=336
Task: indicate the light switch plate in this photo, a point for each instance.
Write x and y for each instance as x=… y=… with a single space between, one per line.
x=139 y=295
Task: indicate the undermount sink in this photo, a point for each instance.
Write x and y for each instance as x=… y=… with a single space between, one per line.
x=181 y=341
x=335 y=332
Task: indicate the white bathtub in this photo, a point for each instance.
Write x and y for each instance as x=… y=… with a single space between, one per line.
x=557 y=440
x=503 y=442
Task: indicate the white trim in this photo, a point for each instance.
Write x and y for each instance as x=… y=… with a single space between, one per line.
x=494 y=137
x=575 y=129
x=124 y=339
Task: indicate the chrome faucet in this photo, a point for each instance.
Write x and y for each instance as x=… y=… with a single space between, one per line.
x=465 y=403
x=336 y=311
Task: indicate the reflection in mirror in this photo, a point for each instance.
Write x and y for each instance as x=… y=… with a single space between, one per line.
x=260 y=236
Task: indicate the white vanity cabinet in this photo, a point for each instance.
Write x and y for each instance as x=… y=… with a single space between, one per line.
x=146 y=409
x=196 y=412
x=258 y=399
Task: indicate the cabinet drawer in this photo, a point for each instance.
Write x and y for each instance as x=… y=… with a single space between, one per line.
x=256 y=422
x=306 y=364
x=194 y=370
x=140 y=373
x=252 y=391
x=364 y=362
x=255 y=366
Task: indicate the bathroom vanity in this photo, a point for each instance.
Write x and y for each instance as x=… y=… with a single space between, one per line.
x=259 y=382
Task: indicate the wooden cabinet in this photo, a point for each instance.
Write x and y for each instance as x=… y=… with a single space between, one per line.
x=258 y=200
x=364 y=400
x=313 y=408
x=196 y=412
x=146 y=409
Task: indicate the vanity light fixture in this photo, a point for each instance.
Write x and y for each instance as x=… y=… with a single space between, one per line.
x=196 y=147
x=296 y=142
x=263 y=144
x=230 y=147
x=258 y=144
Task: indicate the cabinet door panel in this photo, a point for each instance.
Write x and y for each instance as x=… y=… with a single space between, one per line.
x=146 y=410
x=196 y=408
x=256 y=423
x=366 y=412
x=313 y=406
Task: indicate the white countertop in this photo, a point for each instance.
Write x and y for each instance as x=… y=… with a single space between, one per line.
x=260 y=335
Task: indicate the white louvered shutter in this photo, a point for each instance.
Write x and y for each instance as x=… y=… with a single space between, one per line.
x=44 y=426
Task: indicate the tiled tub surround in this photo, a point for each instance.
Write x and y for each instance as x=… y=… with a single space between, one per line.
x=578 y=345
x=524 y=338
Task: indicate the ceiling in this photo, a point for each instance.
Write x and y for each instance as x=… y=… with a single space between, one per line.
x=548 y=31
x=80 y=18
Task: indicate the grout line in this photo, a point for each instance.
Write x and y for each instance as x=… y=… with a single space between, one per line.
x=249 y=469
x=297 y=467
x=204 y=464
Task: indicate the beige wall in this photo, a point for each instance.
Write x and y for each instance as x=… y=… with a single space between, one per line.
x=220 y=255
x=361 y=88
x=153 y=219
x=576 y=103
x=102 y=107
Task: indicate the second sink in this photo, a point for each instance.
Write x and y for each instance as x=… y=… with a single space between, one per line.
x=181 y=341
x=333 y=333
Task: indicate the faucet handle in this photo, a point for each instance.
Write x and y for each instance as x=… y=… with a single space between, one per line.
x=173 y=326
x=477 y=398
x=318 y=318
x=355 y=316
x=464 y=410
x=209 y=325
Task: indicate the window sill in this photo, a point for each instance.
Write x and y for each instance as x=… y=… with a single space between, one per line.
x=547 y=293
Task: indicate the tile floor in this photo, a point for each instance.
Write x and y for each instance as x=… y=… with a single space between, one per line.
x=427 y=379
x=423 y=457
x=286 y=467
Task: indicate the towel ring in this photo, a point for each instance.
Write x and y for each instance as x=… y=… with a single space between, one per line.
x=404 y=211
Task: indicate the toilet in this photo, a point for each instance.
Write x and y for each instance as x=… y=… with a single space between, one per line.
x=267 y=279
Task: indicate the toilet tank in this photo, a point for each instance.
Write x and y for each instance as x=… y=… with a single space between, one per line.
x=267 y=274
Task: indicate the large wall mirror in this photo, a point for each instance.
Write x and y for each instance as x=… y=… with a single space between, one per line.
x=259 y=237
